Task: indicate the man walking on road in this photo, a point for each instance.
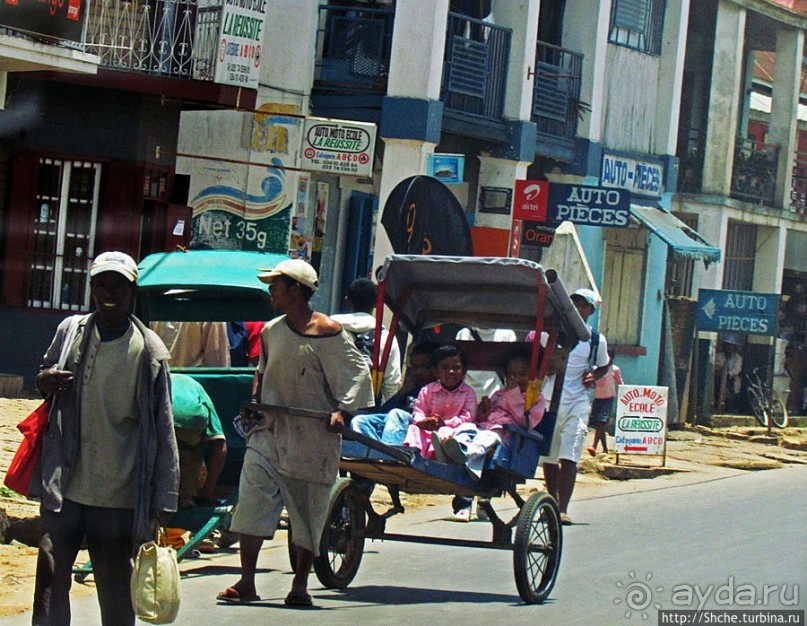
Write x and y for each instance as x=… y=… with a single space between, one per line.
x=109 y=466
x=587 y=362
x=308 y=362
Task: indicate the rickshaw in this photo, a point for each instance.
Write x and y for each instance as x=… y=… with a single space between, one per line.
x=424 y=293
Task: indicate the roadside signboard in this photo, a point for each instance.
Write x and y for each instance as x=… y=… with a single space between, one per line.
x=338 y=146
x=530 y=199
x=239 y=51
x=537 y=234
x=592 y=206
x=641 y=420
x=721 y=310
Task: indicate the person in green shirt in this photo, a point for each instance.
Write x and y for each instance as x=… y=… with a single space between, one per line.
x=197 y=426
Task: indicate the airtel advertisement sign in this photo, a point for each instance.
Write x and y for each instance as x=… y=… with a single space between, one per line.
x=530 y=199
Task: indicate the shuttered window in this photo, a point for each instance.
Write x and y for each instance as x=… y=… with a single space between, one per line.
x=623 y=285
x=637 y=24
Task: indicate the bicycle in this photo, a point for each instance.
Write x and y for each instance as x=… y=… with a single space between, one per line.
x=767 y=408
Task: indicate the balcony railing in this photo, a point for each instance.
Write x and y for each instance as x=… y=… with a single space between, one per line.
x=556 y=92
x=475 y=67
x=753 y=177
x=175 y=38
x=354 y=46
x=798 y=187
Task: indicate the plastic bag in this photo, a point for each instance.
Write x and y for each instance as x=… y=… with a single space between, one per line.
x=155 y=584
x=22 y=466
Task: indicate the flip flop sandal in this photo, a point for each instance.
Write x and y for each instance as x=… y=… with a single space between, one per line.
x=298 y=599
x=565 y=519
x=233 y=596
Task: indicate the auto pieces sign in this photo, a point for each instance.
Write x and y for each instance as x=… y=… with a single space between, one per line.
x=338 y=146
x=541 y=201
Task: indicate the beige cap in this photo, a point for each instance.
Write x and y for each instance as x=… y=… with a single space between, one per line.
x=588 y=295
x=119 y=262
x=296 y=269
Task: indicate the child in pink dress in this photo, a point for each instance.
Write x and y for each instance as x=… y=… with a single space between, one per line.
x=443 y=405
x=470 y=443
x=604 y=395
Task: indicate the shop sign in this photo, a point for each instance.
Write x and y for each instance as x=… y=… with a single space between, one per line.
x=59 y=19
x=592 y=206
x=530 y=200
x=642 y=178
x=537 y=234
x=447 y=168
x=338 y=146
x=641 y=419
x=239 y=52
x=720 y=310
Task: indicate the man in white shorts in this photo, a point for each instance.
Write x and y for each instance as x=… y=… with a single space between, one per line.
x=587 y=362
x=308 y=362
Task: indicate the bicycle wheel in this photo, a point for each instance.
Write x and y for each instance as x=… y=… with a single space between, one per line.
x=778 y=413
x=758 y=406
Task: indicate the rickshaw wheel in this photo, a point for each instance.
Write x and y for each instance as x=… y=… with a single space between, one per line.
x=537 y=548
x=342 y=544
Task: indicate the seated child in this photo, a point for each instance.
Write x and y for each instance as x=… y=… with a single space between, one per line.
x=197 y=425
x=443 y=405
x=392 y=421
x=470 y=443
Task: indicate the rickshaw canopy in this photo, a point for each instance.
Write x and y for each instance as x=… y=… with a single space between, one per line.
x=205 y=285
x=481 y=292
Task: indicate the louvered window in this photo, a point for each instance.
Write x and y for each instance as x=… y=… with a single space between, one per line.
x=637 y=24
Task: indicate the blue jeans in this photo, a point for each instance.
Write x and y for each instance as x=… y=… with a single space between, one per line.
x=389 y=428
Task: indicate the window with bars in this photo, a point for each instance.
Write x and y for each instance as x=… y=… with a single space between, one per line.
x=637 y=24
x=739 y=256
x=64 y=234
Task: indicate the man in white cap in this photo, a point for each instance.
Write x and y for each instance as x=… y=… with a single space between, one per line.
x=108 y=468
x=587 y=362
x=308 y=362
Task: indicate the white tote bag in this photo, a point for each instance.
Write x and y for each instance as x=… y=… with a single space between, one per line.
x=155 y=584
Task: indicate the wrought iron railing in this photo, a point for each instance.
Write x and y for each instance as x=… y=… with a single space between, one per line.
x=753 y=176
x=798 y=185
x=690 y=161
x=176 y=38
x=556 y=105
x=475 y=67
x=353 y=47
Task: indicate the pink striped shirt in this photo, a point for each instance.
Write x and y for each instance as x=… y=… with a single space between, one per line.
x=455 y=407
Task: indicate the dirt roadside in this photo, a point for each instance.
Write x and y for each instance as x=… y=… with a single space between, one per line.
x=690 y=453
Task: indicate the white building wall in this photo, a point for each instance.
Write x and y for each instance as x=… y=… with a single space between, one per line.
x=631 y=95
x=585 y=30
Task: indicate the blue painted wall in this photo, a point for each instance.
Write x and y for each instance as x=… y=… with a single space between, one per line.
x=25 y=334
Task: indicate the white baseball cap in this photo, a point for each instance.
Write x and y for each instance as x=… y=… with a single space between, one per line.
x=119 y=262
x=296 y=269
x=589 y=296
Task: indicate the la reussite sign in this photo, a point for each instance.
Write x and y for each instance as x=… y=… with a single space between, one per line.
x=641 y=420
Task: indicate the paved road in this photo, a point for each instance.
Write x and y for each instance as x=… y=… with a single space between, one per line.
x=732 y=532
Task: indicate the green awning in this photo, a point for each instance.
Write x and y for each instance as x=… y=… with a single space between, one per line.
x=683 y=240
